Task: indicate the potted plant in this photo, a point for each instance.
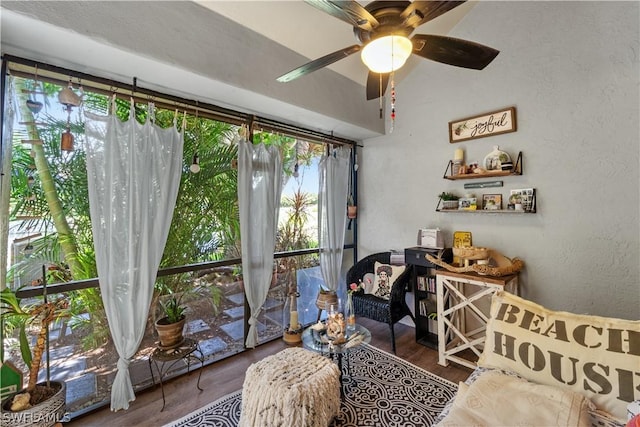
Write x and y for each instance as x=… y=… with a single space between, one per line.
x=352 y=209
x=171 y=324
x=449 y=200
x=39 y=403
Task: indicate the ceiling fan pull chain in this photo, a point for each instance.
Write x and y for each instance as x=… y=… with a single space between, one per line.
x=380 y=92
x=393 y=102
x=393 y=90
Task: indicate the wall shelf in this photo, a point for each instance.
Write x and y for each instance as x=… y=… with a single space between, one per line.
x=517 y=170
x=490 y=174
x=486 y=211
x=492 y=211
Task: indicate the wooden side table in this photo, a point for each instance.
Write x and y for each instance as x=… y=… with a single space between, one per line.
x=460 y=298
x=165 y=359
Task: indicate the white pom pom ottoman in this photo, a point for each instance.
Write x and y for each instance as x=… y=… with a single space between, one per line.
x=294 y=387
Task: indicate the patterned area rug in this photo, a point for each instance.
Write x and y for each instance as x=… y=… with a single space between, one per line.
x=380 y=390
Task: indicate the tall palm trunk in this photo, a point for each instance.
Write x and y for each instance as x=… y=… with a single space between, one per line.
x=65 y=234
x=38 y=351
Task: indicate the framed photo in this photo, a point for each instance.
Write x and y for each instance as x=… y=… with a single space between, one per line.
x=467 y=204
x=523 y=199
x=487 y=124
x=492 y=202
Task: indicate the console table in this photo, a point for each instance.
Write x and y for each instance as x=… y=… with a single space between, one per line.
x=165 y=359
x=463 y=301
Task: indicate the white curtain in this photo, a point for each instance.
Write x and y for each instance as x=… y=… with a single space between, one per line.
x=332 y=212
x=259 y=190
x=133 y=173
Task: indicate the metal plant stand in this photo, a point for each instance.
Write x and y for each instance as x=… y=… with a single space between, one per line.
x=165 y=359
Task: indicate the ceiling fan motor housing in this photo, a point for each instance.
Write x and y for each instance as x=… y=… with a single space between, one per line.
x=388 y=14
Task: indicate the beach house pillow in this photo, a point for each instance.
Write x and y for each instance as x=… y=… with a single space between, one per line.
x=386 y=275
x=596 y=356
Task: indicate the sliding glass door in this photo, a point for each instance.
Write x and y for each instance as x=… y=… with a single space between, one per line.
x=50 y=240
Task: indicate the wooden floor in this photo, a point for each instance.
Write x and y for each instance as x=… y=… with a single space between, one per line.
x=227 y=376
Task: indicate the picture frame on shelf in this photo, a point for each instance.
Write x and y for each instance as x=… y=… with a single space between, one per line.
x=492 y=202
x=483 y=125
x=523 y=199
x=467 y=204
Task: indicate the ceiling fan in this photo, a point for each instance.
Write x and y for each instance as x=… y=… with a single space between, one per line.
x=383 y=28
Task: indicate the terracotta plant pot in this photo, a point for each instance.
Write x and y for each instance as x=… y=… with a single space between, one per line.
x=352 y=212
x=170 y=334
x=43 y=414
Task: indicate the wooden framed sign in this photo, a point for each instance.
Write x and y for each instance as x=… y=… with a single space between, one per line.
x=487 y=124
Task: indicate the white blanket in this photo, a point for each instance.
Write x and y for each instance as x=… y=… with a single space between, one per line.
x=495 y=399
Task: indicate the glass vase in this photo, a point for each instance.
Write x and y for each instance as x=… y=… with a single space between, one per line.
x=335 y=324
x=350 y=315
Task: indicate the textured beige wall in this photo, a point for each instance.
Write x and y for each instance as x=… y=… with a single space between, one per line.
x=571 y=70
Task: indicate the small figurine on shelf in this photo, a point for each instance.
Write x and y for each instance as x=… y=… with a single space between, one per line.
x=472 y=167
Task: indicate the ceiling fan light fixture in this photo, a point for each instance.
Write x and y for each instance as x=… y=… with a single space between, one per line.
x=386 y=54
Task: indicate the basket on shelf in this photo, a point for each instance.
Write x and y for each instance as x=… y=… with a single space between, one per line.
x=471 y=253
x=449 y=204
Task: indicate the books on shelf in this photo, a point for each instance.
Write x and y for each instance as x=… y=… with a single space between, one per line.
x=424 y=307
x=426 y=284
x=427 y=309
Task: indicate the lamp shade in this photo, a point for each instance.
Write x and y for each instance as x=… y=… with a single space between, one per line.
x=386 y=54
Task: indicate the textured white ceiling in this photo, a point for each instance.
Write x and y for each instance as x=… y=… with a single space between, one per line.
x=228 y=53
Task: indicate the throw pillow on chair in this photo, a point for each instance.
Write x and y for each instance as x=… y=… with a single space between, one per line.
x=386 y=275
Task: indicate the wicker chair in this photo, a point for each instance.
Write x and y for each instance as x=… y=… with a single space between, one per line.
x=376 y=308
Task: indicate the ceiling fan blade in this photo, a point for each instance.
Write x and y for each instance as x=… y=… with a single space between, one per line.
x=349 y=11
x=461 y=53
x=374 y=88
x=316 y=64
x=419 y=12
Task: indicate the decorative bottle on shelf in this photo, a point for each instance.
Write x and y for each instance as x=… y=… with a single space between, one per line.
x=350 y=314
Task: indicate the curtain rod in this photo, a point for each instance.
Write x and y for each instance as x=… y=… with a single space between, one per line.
x=166 y=100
